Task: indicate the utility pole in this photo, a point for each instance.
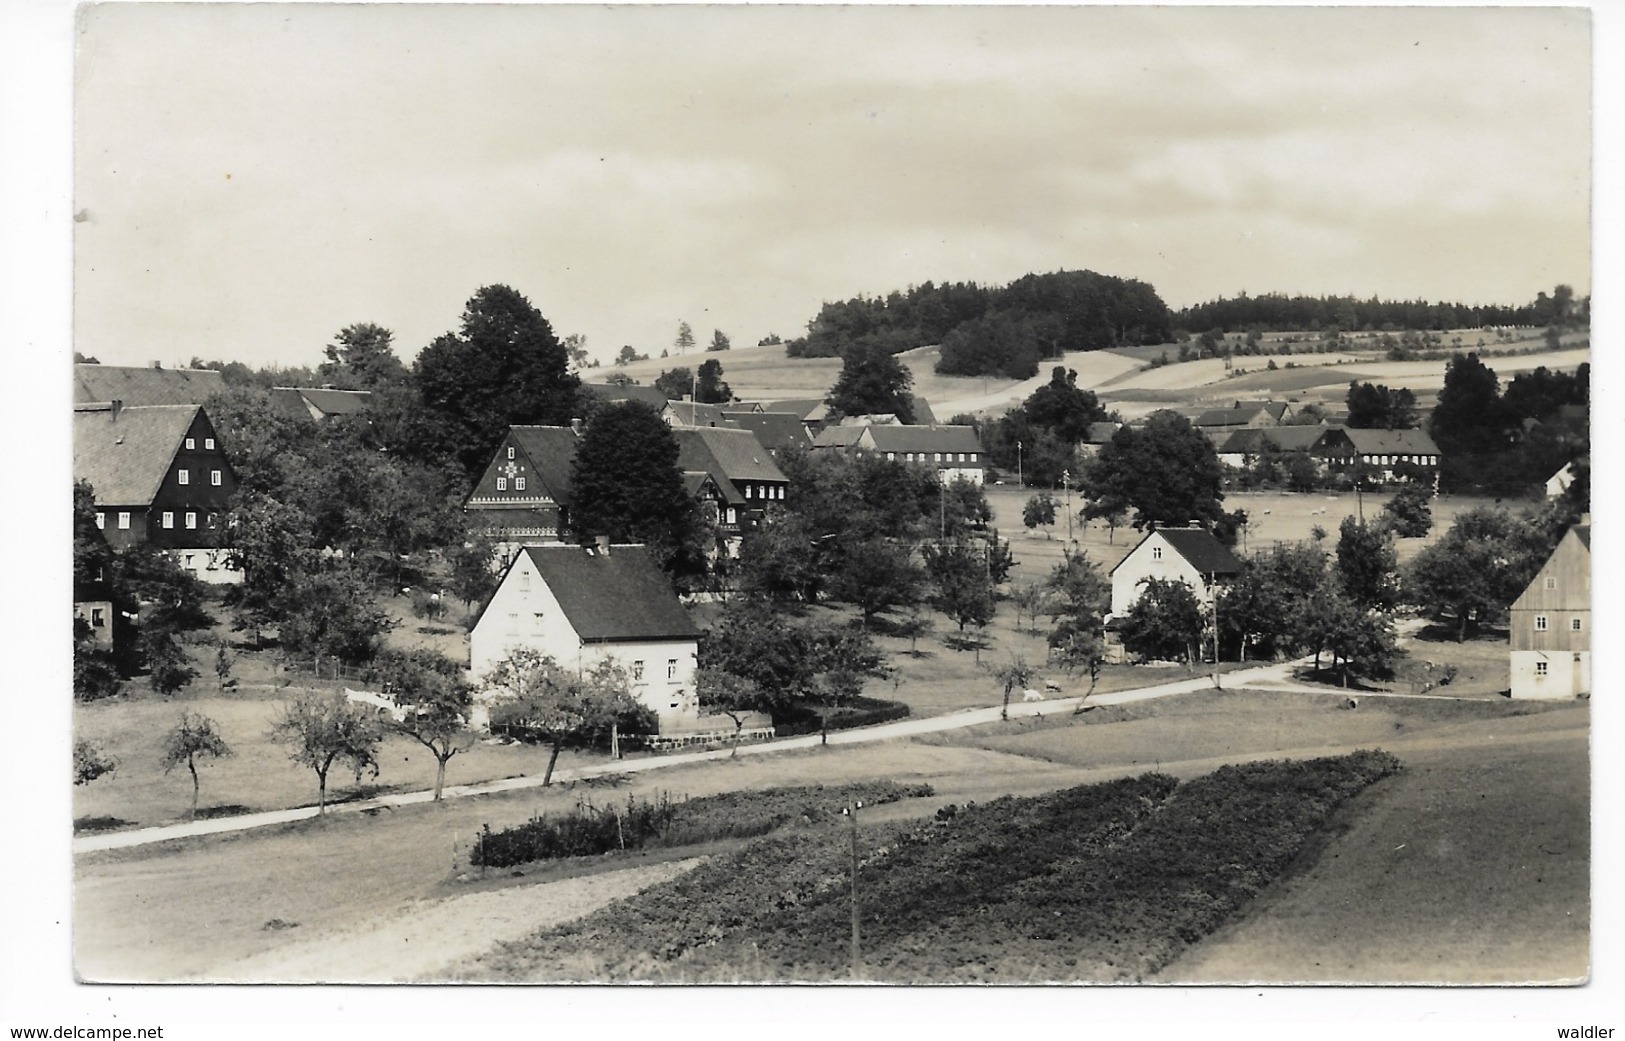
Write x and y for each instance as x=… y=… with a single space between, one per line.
x=942 y=507
x=857 y=957
x=1019 y=482
x=1213 y=603
x=1066 y=482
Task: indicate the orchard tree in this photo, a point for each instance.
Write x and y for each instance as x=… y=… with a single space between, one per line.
x=1074 y=646
x=271 y=545
x=1040 y=510
x=91 y=761
x=876 y=575
x=736 y=697
x=627 y=485
x=536 y=700
x=503 y=366
x=676 y=383
x=169 y=668
x=434 y=699
x=321 y=729
x=1474 y=572
x=1018 y=675
x=963 y=589
x=1408 y=514
x=1367 y=565
x=872 y=381
x=473 y=576
x=331 y=614
x=192 y=736
x=1258 y=609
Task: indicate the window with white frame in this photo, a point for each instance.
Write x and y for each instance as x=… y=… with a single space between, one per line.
x=637 y=670
x=101 y=521
x=98 y=617
x=208 y=443
x=191 y=443
x=183 y=476
x=124 y=521
x=1156 y=552
x=510 y=451
x=671 y=668
x=519 y=484
x=169 y=519
x=191 y=519
x=502 y=484
x=1540 y=668
x=1540 y=623
x=214 y=478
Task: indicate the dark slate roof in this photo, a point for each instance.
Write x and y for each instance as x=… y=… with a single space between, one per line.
x=775 y=430
x=137 y=386
x=1583 y=532
x=809 y=409
x=923 y=416
x=1276 y=409
x=1100 y=433
x=629 y=392
x=1285 y=439
x=1222 y=417
x=338 y=402
x=727 y=454
x=552 y=452
x=924 y=439
x=697 y=414
x=616 y=596
x=1391 y=442
x=1207 y=554
x=125 y=458
x=838 y=437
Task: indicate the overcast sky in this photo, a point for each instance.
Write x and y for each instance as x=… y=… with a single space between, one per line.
x=250 y=179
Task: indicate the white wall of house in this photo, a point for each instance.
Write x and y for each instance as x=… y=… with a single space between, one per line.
x=208 y=565
x=1550 y=674
x=523 y=613
x=1153 y=558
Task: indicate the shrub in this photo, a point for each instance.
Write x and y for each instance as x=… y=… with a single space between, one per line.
x=803 y=718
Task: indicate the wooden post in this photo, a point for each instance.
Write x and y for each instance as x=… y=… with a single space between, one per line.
x=857 y=955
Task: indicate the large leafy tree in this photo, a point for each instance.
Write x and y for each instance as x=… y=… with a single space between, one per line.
x=1379 y=408
x=362 y=357
x=1061 y=408
x=1167 y=473
x=536 y=699
x=1258 y=609
x=1165 y=623
x=627 y=485
x=872 y=381
x=503 y=366
x=963 y=588
x=331 y=614
x=711 y=389
x=876 y=575
x=1470 y=417
x=1475 y=571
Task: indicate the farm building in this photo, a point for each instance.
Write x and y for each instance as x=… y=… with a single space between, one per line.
x=136 y=386
x=1236 y=448
x=582 y=605
x=1379 y=452
x=320 y=403
x=1551 y=623
x=159 y=477
x=777 y=431
x=524 y=493
x=953 y=451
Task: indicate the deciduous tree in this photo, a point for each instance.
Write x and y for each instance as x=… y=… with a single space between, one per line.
x=1165 y=623
x=963 y=588
x=434 y=700
x=1367 y=565
x=1167 y=473
x=90 y=761
x=628 y=486
x=321 y=729
x=537 y=700
x=193 y=735
x=872 y=382
x=362 y=357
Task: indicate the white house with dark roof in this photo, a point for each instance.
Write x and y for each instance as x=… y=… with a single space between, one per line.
x=1550 y=623
x=159 y=477
x=1189 y=555
x=953 y=451
x=582 y=605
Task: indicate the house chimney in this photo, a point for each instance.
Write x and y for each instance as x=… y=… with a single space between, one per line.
x=116 y=408
x=603 y=544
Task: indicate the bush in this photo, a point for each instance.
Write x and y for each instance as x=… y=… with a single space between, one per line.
x=590 y=830
x=803 y=718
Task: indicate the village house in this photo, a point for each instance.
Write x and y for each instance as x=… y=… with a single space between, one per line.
x=777 y=431
x=741 y=471
x=1377 y=453
x=582 y=605
x=523 y=495
x=814 y=413
x=1096 y=435
x=136 y=386
x=159 y=477
x=1189 y=555
x=1551 y=623
x=1241 y=446
x=953 y=451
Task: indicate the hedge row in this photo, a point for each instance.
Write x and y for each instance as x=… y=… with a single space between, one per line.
x=862 y=712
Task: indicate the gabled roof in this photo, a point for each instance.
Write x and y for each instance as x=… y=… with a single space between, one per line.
x=1222 y=417
x=552 y=452
x=730 y=455
x=1276 y=409
x=1567 y=595
x=125 y=454
x=838 y=437
x=924 y=439
x=694 y=482
x=1100 y=433
x=698 y=414
x=1391 y=442
x=775 y=430
x=811 y=410
x=137 y=386
x=608 y=597
x=923 y=416
x=302 y=401
x=1286 y=439
x=1205 y=553
x=626 y=392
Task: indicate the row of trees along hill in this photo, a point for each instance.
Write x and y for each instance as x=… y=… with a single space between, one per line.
x=1278 y=311
x=993 y=331
x=1507 y=443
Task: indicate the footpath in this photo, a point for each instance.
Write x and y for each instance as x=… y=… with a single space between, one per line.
x=1267 y=677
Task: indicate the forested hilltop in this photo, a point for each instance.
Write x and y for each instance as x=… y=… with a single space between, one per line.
x=1278 y=311
x=994 y=331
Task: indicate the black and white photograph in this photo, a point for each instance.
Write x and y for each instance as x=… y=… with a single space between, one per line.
x=1047 y=498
